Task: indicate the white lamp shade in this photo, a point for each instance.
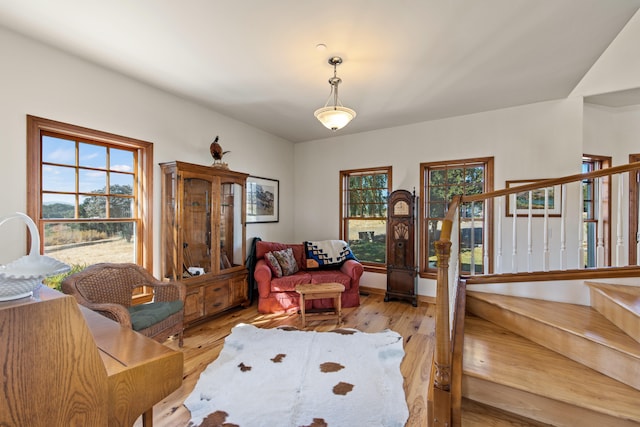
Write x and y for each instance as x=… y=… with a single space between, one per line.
x=335 y=117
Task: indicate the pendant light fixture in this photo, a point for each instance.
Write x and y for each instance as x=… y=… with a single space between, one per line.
x=334 y=116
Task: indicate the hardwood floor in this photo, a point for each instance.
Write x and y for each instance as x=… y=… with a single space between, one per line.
x=203 y=343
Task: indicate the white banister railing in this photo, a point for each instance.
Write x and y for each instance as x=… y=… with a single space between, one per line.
x=548 y=210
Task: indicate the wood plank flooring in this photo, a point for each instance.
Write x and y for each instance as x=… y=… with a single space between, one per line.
x=203 y=343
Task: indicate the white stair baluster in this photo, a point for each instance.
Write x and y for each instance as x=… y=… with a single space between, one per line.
x=619 y=239
x=530 y=234
x=563 y=228
x=472 y=261
x=514 y=237
x=545 y=235
x=600 y=241
x=499 y=238
x=581 y=226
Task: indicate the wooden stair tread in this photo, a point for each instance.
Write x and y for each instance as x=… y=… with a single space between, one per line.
x=573 y=318
x=495 y=354
x=475 y=414
x=628 y=289
x=625 y=296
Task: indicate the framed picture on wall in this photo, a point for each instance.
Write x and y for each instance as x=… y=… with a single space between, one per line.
x=263 y=199
x=537 y=199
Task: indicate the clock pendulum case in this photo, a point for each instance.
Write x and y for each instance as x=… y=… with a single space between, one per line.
x=401 y=269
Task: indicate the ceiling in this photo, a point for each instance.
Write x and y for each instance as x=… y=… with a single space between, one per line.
x=405 y=61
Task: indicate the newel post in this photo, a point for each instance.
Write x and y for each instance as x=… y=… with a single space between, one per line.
x=442 y=358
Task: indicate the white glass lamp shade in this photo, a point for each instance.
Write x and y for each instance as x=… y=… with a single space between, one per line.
x=335 y=117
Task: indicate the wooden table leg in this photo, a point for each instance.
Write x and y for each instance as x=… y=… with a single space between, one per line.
x=302 y=304
x=337 y=303
x=147 y=418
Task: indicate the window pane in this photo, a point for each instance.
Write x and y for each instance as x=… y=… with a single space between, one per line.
x=381 y=181
x=58 y=150
x=474 y=174
x=437 y=194
x=121 y=183
x=437 y=210
x=93 y=207
x=355 y=210
x=121 y=160
x=93 y=156
x=90 y=243
x=58 y=206
x=477 y=188
x=58 y=178
x=455 y=176
x=455 y=190
x=436 y=177
x=120 y=207
x=367 y=239
x=433 y=233
x=90 y=181
x=471 y=240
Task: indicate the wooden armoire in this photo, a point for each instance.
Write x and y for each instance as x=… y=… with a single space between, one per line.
x=203 y=236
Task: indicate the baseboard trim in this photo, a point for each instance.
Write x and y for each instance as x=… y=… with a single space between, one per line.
x=422 y=299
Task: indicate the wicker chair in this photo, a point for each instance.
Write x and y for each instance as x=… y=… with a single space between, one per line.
x=107 y=288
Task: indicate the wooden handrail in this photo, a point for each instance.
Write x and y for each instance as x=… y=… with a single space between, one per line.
x=552 y=182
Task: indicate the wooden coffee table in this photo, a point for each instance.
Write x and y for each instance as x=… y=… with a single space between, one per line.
x=318 y=291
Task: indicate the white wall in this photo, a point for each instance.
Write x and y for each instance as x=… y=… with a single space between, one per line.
x=542 y=140
x=618 y=67
x=45 y=82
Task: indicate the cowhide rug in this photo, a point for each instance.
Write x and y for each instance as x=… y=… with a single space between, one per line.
x=290 y=378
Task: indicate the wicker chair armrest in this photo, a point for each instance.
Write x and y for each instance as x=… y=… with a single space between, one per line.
x=168 y=291
x=115 y=312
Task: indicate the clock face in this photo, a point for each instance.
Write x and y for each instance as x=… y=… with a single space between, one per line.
x=401 y=208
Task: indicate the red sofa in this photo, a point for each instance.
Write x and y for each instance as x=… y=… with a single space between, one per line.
x=278 y=294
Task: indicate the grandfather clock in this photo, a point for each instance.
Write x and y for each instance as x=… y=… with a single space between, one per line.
x=401 y=269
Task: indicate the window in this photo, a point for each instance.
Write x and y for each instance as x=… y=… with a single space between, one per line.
x=89 y=193
x=363 y=214
x=594 y=192
x=440 y=181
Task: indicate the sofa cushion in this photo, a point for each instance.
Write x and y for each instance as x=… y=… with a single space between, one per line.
x=331 y=276
x=287 y=261
x=145 y=315
x=263 y=247
x=289 y=283
x=273 y=264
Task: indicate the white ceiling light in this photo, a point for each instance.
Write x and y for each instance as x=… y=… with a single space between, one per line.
x=334 y=116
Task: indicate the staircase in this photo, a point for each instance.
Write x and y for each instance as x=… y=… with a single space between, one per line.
x=530 y=362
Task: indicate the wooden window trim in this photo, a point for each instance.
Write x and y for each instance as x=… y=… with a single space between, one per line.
x=634 y=177
x=343 y=232
x=605 y=162
x=37 y=125
x=424 y=271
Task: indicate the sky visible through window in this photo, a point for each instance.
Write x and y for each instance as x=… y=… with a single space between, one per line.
x=96 y=165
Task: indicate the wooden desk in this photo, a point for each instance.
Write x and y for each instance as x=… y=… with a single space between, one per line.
x=139 y=371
